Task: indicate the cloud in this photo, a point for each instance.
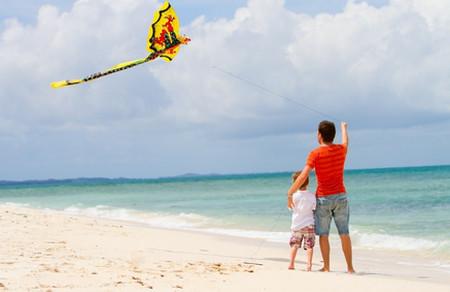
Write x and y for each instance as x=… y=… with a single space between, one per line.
x=392 y=60
x=379 y=68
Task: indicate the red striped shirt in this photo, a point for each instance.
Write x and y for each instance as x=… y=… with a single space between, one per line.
x=328 y=161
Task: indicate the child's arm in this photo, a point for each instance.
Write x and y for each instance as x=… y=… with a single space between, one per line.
x=344 y=134
x=296 y=185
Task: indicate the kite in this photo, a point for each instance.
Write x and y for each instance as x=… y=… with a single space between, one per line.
x=164 y=41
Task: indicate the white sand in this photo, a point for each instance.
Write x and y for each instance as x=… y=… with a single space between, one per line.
x=51 y=251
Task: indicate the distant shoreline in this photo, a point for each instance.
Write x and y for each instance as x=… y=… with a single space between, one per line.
x=190 y=176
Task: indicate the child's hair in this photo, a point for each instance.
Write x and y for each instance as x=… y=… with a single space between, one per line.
x=305 y=183
x=327 y=130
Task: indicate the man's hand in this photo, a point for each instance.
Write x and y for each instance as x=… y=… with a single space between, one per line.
x=290 y=203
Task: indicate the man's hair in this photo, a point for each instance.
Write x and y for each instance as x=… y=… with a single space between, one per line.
x=305 y=183
x=327 y=130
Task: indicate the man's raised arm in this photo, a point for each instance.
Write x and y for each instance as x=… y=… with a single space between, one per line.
x=344 y=134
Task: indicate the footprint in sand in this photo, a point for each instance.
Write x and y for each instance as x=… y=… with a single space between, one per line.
x=138 y=280
x=48 y=268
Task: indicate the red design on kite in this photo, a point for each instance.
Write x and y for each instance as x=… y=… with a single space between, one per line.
x=164 y=35
x=168 y=24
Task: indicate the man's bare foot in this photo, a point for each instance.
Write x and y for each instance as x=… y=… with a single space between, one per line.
x=351 y=271
x=308 y=268
x=324 y=270
x=291 y=268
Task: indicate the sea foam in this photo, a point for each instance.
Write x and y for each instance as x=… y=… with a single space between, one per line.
x=394 y=242
x=163 y=220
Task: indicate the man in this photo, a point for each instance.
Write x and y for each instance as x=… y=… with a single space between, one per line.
x=328 y=161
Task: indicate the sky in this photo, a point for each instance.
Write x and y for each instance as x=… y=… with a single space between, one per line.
x=381 y=66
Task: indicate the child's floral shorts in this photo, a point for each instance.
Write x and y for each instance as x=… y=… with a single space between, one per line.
x=306 y=235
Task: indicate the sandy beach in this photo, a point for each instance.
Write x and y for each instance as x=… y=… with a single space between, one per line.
x=50 y=251
x=153 y=145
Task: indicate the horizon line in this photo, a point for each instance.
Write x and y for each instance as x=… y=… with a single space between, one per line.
x=195 y=175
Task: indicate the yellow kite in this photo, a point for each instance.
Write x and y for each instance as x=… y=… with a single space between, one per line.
x=164 y=41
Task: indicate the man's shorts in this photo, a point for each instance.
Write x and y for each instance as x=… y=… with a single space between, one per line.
x=333 y=206
x=306 y=235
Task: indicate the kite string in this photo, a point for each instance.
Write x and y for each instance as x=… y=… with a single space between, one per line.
x=263 y=240
x=270 y=92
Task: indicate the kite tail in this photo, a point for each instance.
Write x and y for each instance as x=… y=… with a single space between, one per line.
x=63 y=83
x=114 y=69
x=123 y=66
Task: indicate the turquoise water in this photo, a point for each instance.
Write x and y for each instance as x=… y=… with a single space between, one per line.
x=404 y=209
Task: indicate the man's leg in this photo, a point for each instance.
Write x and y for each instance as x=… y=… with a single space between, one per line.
x=325 y=250
x=323 y=219
x=347 y=249
x=341 y=218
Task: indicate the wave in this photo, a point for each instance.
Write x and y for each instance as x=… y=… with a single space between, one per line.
x=183 y=221
x=161 y=220
x=394 y=242
x=15 y=205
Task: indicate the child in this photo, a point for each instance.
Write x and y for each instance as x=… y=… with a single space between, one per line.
x=302 y=223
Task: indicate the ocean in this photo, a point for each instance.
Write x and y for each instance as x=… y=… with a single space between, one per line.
x=397 y=209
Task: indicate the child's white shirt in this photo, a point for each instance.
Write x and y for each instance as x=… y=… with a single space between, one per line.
x=302 y=213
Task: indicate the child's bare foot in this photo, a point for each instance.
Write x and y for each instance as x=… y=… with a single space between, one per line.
x=324 y=269
x=308 y=268
x=351 y=271
x=291 y=267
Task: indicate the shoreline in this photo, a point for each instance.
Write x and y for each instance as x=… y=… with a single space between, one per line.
x=54 y=250
x=280 y=238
